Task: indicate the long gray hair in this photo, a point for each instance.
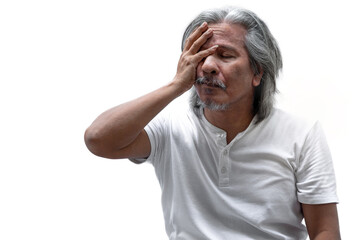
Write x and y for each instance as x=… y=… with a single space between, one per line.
x=264 y=54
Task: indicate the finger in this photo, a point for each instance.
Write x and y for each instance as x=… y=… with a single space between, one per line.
x=200 y=41
x=195 y=35
x=204 y=53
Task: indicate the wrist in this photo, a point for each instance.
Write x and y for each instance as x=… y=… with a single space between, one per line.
x=179 y=87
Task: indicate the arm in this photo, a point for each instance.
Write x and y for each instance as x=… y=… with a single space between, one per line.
x=322 y=221
x=119 y=132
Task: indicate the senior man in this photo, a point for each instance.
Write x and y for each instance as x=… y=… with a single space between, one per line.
x=232 y=166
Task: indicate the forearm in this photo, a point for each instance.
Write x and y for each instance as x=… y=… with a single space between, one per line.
x=327 y=235
x=119 y=126
x=118 y=131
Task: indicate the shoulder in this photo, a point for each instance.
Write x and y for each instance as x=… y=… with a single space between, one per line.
x=287 y=120
x=174 y=120
x=286 y=125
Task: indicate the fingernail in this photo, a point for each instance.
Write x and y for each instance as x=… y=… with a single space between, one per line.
x=203 y=24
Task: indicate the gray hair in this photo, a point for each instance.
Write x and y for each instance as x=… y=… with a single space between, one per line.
x=264 y=53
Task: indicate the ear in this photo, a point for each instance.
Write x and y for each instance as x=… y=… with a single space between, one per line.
x=257 y=78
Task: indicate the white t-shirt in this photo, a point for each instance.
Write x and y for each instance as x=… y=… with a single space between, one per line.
x=250 y=188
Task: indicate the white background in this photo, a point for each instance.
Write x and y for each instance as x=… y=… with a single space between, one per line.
x=62 y=63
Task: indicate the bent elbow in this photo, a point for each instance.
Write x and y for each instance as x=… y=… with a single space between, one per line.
x=99 y=145
x=93 y=142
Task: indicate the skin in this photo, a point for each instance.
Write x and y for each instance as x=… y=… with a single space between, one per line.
x=119 y=132
x=212 y=51
x=230 y=64
x=322 y=221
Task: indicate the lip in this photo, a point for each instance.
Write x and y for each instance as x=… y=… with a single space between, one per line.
x=208 y=85
x=211 y=87
x=205 y=89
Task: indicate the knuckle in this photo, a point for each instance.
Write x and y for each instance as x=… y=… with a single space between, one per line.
x=187 y=61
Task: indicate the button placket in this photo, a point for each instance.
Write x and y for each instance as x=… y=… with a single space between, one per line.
x=224 y=169
x=221 y=139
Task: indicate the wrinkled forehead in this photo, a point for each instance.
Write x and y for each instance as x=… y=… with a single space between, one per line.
x=233 y=34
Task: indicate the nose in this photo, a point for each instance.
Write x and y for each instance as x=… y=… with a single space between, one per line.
x=210 y=66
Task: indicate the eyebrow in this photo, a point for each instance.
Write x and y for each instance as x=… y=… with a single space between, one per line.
x=227 y=48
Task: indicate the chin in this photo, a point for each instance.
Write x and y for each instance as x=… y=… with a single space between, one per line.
x=208 y=103
x=214 y=106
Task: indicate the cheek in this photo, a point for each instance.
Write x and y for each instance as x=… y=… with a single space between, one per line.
x=238 y=76
x=244 y=74
x=198 y=70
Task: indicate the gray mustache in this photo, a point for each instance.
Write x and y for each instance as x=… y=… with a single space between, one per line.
x=211 y=82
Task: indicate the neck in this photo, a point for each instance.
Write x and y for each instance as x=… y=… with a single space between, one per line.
x=232 y=121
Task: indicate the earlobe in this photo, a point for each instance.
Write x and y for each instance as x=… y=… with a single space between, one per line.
x=257 y=78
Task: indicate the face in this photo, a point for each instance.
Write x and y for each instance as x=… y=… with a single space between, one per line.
x=230 y=65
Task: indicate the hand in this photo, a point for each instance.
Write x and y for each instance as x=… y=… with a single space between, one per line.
x=191 y=56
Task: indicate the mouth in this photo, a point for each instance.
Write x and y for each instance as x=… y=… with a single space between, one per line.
x=212 y=83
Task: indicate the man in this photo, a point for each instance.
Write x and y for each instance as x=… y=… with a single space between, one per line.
x=232 y=167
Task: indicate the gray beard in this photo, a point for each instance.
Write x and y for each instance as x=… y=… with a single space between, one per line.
x=196 y=103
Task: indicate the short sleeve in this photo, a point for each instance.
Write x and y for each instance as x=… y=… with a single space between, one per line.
x=157 y=132
x=315 y=175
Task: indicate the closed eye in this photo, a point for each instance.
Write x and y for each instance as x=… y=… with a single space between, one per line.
x=226 y=56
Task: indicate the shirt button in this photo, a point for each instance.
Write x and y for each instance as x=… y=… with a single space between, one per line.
x=223 y=170
x=225 y=151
